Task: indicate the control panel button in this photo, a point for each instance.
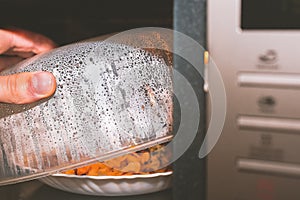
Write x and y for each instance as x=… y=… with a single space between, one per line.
x=269 y=124
x=269 y=80
x=271 y=167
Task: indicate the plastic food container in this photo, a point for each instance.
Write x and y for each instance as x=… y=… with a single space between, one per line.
x=111 y=99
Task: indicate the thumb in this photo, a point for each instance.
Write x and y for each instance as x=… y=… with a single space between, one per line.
x=26 y=87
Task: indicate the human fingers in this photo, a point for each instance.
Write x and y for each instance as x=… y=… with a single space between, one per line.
x=26 y=41
x=26 y=87
x=8 y=61
x=16 y=41
x=19 y=54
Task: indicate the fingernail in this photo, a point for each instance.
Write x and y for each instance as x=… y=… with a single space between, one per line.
x=42 y=83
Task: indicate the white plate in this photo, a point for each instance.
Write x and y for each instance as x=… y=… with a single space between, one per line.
x=110 y=185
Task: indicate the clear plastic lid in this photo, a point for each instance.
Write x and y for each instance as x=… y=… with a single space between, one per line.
x=111 y=99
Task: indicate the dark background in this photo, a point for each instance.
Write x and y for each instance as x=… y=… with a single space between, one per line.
x=67 y=21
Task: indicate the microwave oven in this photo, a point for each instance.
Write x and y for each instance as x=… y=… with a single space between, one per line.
x=255 y=44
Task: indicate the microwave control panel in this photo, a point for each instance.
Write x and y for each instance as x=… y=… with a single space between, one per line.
x=255 y=45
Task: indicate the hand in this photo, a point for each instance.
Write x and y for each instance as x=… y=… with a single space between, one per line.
x=27 y=87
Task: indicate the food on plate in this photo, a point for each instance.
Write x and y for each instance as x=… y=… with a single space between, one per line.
x=152 y=160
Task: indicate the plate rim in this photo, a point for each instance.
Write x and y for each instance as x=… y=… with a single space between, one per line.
x=134 y=176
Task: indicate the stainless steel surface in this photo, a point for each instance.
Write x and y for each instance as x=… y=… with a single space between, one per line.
x=257 y=155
